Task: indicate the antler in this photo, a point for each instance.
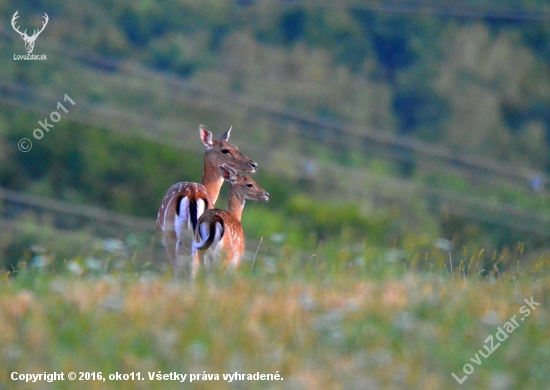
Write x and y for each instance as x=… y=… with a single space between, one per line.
x=15 y=16
x=24 y=34
x=46 y=19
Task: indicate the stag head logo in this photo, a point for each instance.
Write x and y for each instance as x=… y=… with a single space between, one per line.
x=29 y=40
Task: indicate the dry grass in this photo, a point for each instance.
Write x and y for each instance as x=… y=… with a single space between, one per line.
x=320 y=325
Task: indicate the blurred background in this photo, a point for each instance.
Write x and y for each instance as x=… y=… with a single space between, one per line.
x=384 y=123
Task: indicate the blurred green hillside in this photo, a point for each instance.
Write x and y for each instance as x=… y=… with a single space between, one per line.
x=371 y=121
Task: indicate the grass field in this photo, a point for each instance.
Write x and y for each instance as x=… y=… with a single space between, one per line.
x=337 y=319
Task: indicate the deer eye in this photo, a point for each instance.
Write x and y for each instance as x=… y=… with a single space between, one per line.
x=225 y=151
x=249 y=185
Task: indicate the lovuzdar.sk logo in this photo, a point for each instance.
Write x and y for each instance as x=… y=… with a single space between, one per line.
x=29 y=40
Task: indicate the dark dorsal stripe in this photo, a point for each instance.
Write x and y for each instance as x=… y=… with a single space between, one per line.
x=193 y=209
x=193 y=213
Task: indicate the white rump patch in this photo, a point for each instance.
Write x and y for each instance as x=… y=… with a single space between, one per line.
x=205 y=231
x=181 y=221
x=201 y=205
x=218 y=235
x=204 y=234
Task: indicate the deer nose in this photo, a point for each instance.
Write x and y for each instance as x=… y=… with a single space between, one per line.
x=253 y=165
x=266 y=194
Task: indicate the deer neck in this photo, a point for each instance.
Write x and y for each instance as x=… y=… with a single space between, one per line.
x=211 y=178
x=235 y=204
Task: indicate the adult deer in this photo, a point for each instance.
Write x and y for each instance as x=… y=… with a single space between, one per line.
x=184 y=202
x=221 y=231
x=29 y=41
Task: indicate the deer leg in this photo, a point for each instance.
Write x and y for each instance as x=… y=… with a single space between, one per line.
x=186 y=256
x=169 y=241
x=232 y=260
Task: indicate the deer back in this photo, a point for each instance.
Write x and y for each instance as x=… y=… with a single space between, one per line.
x=181 y=208
x=221 y=232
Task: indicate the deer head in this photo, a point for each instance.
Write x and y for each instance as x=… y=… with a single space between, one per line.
x=220 y=151
x=242 y=186
x=29 y=41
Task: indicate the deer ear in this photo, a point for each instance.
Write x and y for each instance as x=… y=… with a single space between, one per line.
x=206 y=136
x=225 y=136
x=228 y=173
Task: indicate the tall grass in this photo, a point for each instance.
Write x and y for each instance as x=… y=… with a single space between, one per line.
x=355 y=318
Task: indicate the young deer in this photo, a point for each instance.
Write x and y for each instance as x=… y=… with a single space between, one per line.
x=184 y=202
x=221 y=230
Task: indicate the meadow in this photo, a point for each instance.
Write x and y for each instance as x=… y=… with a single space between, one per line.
x=331 y=318
x=372 y=122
